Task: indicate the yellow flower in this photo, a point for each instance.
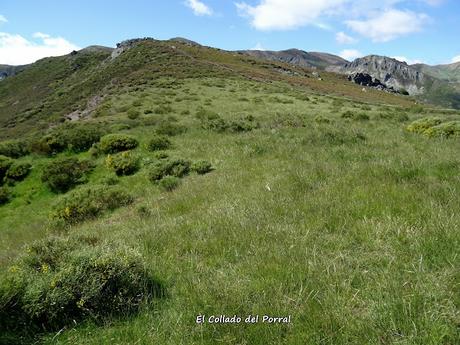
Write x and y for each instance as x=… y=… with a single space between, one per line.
x=14 y=269
x=81 y=303
x=45 y=268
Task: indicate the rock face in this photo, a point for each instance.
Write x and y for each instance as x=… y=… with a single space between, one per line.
x=298 y=57
x=365 y=79
x=391 y=72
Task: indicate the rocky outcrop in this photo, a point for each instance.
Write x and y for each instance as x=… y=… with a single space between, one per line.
x=365 y=79
x=391 y=72
x=125 y=45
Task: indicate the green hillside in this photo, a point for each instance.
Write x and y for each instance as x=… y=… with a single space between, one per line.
x=176 y=180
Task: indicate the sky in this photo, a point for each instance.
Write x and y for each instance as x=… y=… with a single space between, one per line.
x=414 y=31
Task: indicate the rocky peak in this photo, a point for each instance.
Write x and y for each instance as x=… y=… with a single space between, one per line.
x=391 y=72
x=127 y=44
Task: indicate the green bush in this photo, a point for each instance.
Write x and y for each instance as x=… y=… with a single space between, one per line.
x=214 y=122
x=176 y=167
x=355 y=116
x=14 y=148
x=334 y=137
x=169 y=127
x=113 y=143
x=123 y=163
x=18 y=171
x=444 y=130
x=65 y=173
x=201 y=167
x=421 y=125
x=58 y=282
x=163 y=109
x=169 y=183
x=243 y=124
x=322 y=119
x=73 y=137
x=133 y=114
x=118 y=127
x=5 y=164
x=88 y=202
x=398 y=116
x=5 y=195
x=158 y=143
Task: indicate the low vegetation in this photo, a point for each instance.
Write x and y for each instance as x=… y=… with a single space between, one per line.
x=88 y=202
x=113 y=143
x=63 y=174
x=245 y=191
x=59 y=282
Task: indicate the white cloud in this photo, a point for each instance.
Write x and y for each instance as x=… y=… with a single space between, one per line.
x=258 y=46
x=199 y=8
x=456 y=59
x=3 y=19
x=350 y=54
x=342 y=38
x=380 y=20
x=17 y=50
x=286 y=14
x=408 y=61
x=389 y=25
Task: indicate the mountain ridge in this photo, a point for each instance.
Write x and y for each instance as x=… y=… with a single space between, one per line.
x=436 y=84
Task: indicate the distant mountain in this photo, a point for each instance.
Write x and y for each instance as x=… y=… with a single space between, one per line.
x=8 y=71
x=298 y=57
x=449 y=73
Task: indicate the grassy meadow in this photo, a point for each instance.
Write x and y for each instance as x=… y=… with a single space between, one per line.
x=321 y=207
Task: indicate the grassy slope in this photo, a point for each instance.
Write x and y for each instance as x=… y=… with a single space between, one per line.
x=54 y=87
x=357 y=241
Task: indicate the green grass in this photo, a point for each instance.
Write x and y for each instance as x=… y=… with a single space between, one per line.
x=351 y=227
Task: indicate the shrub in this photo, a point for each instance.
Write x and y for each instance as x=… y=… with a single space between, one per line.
x=169 y=183
x=5 y=164
x=201 y=167
x=335 y=137
x=14 y=148
x=133 y=114
x=5 y=195
x=243 y=124
x=63 y=174
x=444 y=130
x=76 y=138
x=421 y=125
x=123 y=163
x=158 y=143
x=119 y=127
x=399 y=117
x=206 y=114
x=215 y=123
x=163 y=109
x=169 y=127
x=88 y=202
x=113 y=143
x=60 y=281
x=322 y=119
x=177 y=168
x=355 y=116
x=18 y=171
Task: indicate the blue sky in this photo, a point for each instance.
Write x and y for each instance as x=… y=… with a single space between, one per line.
x=412 y=30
